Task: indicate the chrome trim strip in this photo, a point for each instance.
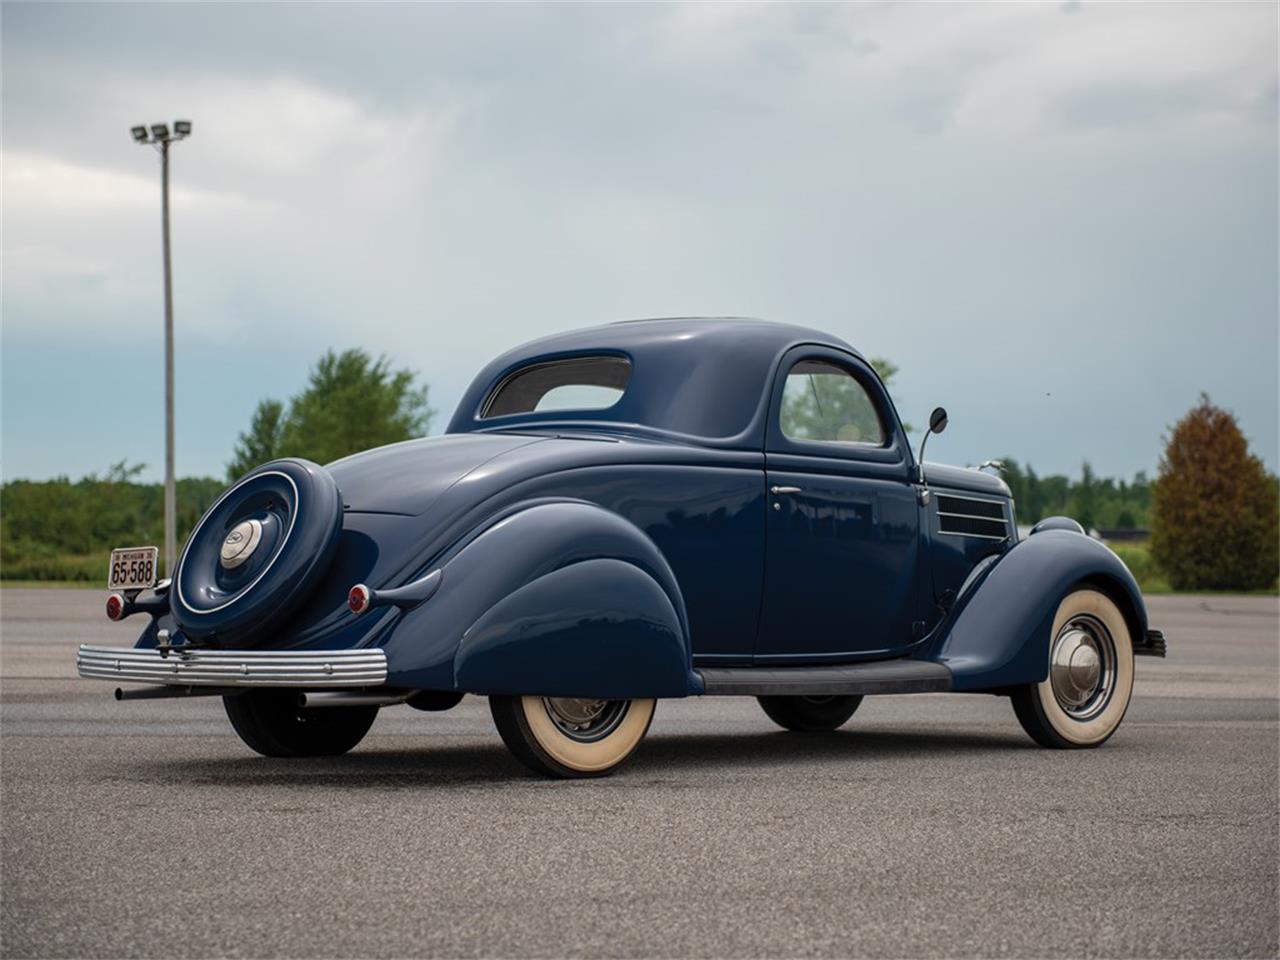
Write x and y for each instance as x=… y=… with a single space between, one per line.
x=972 y=516
x=980 y=536
x=236 y=668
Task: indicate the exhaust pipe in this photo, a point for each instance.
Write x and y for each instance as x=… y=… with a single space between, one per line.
x=341 y=698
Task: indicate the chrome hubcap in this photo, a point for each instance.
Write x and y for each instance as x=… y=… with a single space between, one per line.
x=585 y=719
x=1082 y=670
x=240 y=544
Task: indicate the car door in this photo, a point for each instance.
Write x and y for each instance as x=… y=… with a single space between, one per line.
x=842 y=553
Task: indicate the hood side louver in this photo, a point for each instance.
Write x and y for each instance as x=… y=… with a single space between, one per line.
x=967 y=517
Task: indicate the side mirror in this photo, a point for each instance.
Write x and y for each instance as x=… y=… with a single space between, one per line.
x=937 y=423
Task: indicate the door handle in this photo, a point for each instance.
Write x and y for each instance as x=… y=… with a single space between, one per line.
x=780 y=490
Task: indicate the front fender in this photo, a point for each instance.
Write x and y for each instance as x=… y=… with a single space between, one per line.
x=999 y=634
x=555 y=597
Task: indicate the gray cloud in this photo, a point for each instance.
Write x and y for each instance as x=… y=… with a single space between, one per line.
x=1063 y=227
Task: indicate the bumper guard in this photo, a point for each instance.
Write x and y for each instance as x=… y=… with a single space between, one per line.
x=1154 y=646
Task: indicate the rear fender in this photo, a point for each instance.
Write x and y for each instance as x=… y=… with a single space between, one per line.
x=556 y=597
x=999 y=633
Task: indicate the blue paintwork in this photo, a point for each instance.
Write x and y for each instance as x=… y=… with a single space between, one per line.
x=500 y=573
x=854 y=512
x=600 y=626
x=1057 y=523
x=998 y=634
x=612 y=552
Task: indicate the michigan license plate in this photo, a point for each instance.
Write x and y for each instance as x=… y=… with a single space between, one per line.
x=133 y=568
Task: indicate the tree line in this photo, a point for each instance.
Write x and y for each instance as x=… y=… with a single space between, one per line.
x=1096 y=502
x=64 y=529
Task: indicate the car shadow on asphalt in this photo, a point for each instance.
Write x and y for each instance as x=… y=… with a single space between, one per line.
x=783 y=748
x=373 y=766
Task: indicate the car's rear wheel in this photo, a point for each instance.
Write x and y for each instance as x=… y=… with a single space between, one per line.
x=809 y=714
x=571 y=736
x=1090 y=682
x=271 y=723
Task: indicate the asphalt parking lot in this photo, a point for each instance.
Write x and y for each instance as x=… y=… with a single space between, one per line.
x=929 y=825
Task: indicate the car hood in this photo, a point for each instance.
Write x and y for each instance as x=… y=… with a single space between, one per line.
x=407 y=478
x=961 y=478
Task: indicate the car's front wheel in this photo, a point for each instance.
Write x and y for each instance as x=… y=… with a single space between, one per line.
x=1085 y=696
x=810 y=714
x=271 y=723
x=571 y=736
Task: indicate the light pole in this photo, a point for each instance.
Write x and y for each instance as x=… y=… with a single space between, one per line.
x=159 y=137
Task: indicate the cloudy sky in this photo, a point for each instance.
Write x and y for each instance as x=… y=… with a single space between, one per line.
x=1060 y=220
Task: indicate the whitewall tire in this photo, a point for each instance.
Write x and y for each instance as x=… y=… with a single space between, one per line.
x=571 y=736
x=1090 y=682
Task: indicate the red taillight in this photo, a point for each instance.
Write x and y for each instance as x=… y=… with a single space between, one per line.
x=115 y=607
x=358 y=598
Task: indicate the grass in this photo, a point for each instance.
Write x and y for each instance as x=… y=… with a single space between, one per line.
x=1137 y=557
x=30 y=560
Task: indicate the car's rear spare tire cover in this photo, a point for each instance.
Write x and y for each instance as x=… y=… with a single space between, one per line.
x=258 y=552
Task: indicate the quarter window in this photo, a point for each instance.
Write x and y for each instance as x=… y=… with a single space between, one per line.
x=583 y=383
x=825 y=403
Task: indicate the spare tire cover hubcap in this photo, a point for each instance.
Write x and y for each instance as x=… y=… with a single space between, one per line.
x=257 y=553
x=240 y=544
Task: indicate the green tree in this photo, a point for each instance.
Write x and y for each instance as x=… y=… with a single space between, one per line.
x=263 y=440
x=351 y=403
x=885 y=367
x=1034 y=498
x=1215 y=516
x=1084 y=498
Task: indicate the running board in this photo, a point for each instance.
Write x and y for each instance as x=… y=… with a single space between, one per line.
x=884 y=676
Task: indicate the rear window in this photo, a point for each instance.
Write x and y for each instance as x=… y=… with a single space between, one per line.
x=583 y=383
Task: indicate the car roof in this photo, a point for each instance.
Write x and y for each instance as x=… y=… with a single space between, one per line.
x=702 y=377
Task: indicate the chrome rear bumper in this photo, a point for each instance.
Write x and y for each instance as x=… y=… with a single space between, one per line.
x=236 y=668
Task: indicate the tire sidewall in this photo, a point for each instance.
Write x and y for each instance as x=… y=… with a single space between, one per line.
x=585 y=759
x=1088 y=733
x=269 y=722
x=810 y=714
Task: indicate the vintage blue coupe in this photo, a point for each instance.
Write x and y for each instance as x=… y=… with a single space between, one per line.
x=657 y=508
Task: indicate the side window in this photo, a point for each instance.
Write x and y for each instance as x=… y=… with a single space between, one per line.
x=583 y=383
x=824 y=402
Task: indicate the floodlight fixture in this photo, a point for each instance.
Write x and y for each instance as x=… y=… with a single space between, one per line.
x=160 y=131
x=182 y=128
x=139 y=134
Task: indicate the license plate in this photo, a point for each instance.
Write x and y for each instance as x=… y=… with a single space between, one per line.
x=133 y=568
